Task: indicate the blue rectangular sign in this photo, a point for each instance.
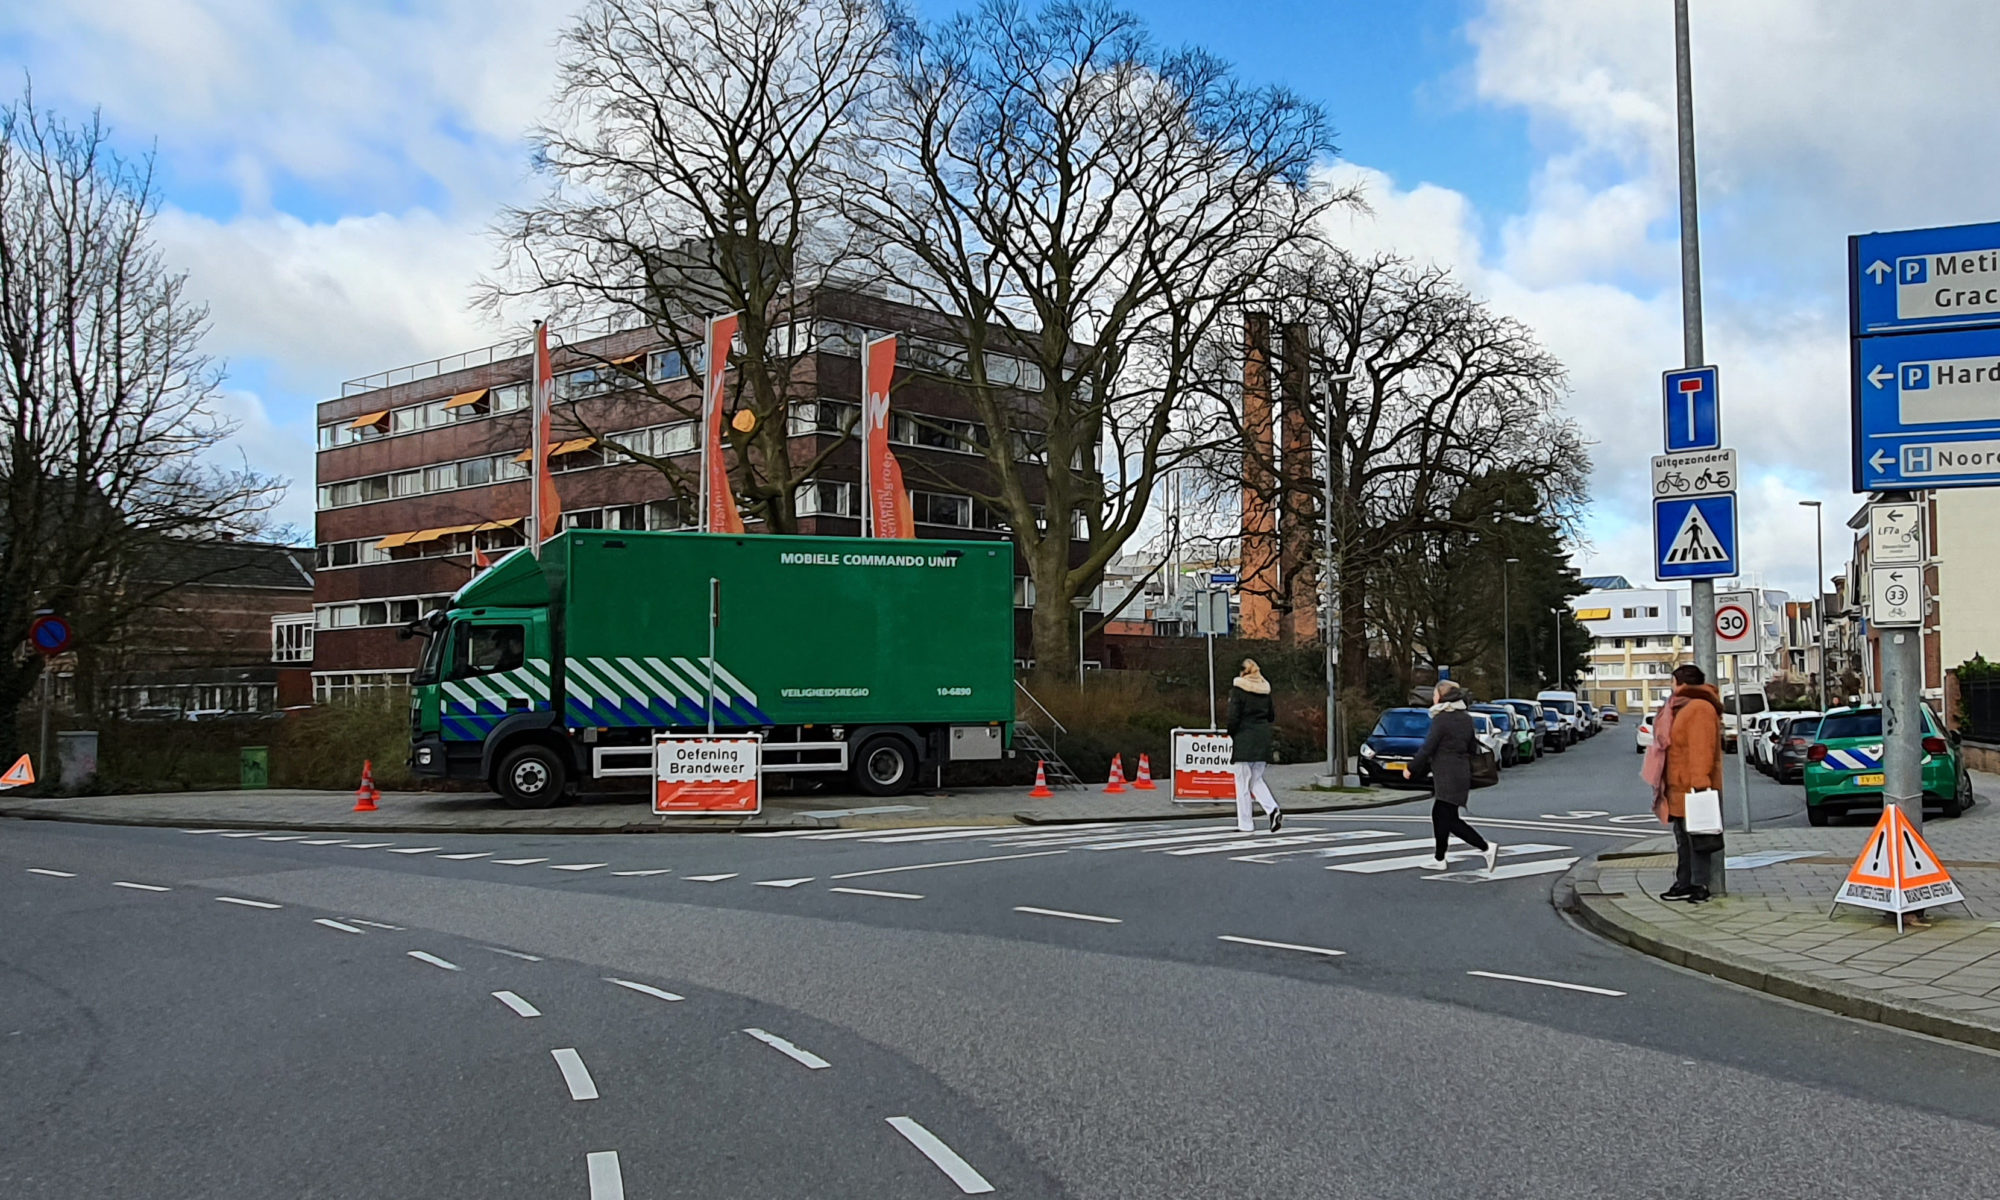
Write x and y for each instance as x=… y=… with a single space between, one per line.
x=1694 y=537
x=1693 y=412
x=1924 y=279
x=1927 y=410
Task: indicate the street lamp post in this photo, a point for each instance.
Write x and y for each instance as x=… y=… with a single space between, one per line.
x=1336 y=733
x=1506 y=634
x=1559 y=651
x=1819 y=592
x=1079 y=603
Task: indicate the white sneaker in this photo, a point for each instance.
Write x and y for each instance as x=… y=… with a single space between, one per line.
x=1492 y=852
x=1441 y=864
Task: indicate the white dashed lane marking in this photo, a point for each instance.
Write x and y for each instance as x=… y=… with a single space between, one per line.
x=576 y=866
x=1249 y=941
x=433 y=960
x=953 y=862
x=847 y=891
x=369 y=845
x=644 y=989
x=243 y=833
x=521 y=1007
x=140 y=887
x=956 y=1169
x=607 y=1182
x=466 y=857
x=284 y=837
x=330 y=924
x=417 y=850
x=518 y=862
x=52 y=874
x=784 y=883
x=324 y=842
x=512 y=953
x=1551 y=983
x=660 y=871
x=575 y=1074
x=247 y=903
x=709 y=878
x=1069 y=916
x=805 y=1058
x=373 y=924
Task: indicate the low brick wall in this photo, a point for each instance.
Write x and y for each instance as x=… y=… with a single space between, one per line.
x=1982 y=756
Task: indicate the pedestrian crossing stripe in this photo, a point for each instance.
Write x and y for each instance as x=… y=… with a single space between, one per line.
x=1696 y=542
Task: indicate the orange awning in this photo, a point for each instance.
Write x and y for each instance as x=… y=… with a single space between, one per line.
x=630 y=358
x=367 y=419
x=525 y=455
x=509 y=523
x=394 y=540
x=465 y=398
x=573 y=445
x=432 y=535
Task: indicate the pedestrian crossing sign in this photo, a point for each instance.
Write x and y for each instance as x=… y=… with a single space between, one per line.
x=1694 y=537
x=1897 y=871
x=21 y=774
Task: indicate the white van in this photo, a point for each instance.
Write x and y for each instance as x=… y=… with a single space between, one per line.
x=1753 y=703
x=1565 y=704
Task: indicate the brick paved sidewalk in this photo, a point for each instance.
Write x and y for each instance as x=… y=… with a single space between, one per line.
x=1772 y=931
x=474 y=812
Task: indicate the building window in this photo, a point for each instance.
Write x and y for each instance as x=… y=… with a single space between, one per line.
x=828 y=498
x=938 y=508
x=292 y=638
x=374 y=614
x=337 y=686
x=935 y=433
x=1617 y=643
x=808 y=417
x=589 y=518
x=667 y=514
x=512 y=397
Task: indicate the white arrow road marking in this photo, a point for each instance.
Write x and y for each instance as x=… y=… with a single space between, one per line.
x=1056 y=912
x=246 y=903
x=806 y=1058
x=335 y=925
x=433 y=960
x=607 y=1182
x=1571 y=987
x=1247 y=941
x=521 y=1007
x=644 y=989
x=960 y=1172
x=141 y=887
x=575 y=1074
x=784 y=883
x=846 y=891
x=52 y=874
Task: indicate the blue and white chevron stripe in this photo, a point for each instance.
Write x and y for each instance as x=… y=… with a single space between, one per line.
x=655 y=692
x=468 y=709
x=1856 y=758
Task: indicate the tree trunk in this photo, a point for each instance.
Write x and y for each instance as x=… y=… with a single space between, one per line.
x=1054 y=623
x=1353 y=631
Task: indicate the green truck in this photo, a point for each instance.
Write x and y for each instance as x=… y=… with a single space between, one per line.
x=873 y=659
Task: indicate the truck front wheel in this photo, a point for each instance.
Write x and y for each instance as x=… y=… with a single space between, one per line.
x=531 y=777
x=886 y=766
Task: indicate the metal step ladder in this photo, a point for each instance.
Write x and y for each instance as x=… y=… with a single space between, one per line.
x=1030 y=739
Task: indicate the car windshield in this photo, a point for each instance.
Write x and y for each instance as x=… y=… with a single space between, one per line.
x=1403 y=723
x=1865 y=723
x=1566 y=707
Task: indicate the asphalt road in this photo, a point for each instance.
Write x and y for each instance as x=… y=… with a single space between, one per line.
x=1126 y=1011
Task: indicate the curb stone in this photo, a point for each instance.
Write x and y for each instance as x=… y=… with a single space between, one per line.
x=1615 y=925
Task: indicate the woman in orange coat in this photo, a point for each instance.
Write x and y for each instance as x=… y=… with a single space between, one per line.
x=1693 y=746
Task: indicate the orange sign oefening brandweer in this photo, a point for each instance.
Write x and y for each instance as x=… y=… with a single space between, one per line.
x=1203 y=773
x=1897 y=871
x=708 y=773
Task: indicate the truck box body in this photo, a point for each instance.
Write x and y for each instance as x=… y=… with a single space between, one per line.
x=605 y=640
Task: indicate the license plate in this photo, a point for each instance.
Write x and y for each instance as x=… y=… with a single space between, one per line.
x=1403 y=767
x=1871 y=780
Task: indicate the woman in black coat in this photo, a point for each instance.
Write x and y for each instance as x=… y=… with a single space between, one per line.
x=1251 y=715
x=1447 y=754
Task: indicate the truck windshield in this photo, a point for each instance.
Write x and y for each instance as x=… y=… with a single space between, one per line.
x=427 y=671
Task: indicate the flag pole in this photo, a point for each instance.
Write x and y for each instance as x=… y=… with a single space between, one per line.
x=538 y=450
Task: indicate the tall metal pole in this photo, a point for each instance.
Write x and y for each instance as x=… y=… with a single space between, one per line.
x=1903 y=695
x=1506 y=634
x=1336 y=743
x=1819 y=592
x=1701 y=594
x=1559 y=651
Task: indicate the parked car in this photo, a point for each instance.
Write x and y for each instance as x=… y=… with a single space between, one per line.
x=1795 y=737
x=1492 y=732
x=1398 y=734
x=1567 y=711
x=1751 y=738
x=1643 y=732
x=1517 y=741
x=1608 y=715
x=1844 y=770
x=1537 y=728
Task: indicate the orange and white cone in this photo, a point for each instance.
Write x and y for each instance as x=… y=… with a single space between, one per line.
x=367 y=794
x=1041 y=790
x=1144 y=783
x=1117 y=781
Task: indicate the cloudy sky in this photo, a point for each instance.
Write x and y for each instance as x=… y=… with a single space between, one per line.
x=329 y=171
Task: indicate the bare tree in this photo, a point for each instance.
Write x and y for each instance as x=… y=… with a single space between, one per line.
x=693 y=151
x=1423 y=389
x=106 y=399
x=1063 y=191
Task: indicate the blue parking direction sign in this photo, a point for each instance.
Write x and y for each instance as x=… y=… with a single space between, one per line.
x=1693 y=412
x=1694 y=537
x=1924 y=278
x=1927 y=410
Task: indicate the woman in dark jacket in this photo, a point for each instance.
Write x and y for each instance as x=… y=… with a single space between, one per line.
x=1447 y=754
x=1250 y=716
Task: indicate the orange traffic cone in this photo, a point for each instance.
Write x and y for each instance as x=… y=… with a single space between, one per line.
x=1041 y=790
x=1117 y=781
x=367 y=794
x=1145 y=781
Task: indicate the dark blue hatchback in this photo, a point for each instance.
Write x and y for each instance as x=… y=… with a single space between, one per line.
x=1395 y=740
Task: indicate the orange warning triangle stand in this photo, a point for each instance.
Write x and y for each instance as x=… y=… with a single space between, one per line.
x=21 y=774
x=1897 y=871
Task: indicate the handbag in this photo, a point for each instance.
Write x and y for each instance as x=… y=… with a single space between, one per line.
x=1703 y=807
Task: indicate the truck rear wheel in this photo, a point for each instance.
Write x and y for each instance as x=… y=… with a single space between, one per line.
x=531 y=777
x=885 y=766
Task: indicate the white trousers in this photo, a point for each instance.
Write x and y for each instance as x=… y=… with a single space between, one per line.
x=1250 y=782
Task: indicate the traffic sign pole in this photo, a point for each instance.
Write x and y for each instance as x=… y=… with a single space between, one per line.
x=1896 y=597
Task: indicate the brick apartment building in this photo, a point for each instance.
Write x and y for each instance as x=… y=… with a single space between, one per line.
x=419 y=467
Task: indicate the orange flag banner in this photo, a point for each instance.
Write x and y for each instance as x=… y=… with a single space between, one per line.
x=888 y=501
x=719 y=513
x=547 y=514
